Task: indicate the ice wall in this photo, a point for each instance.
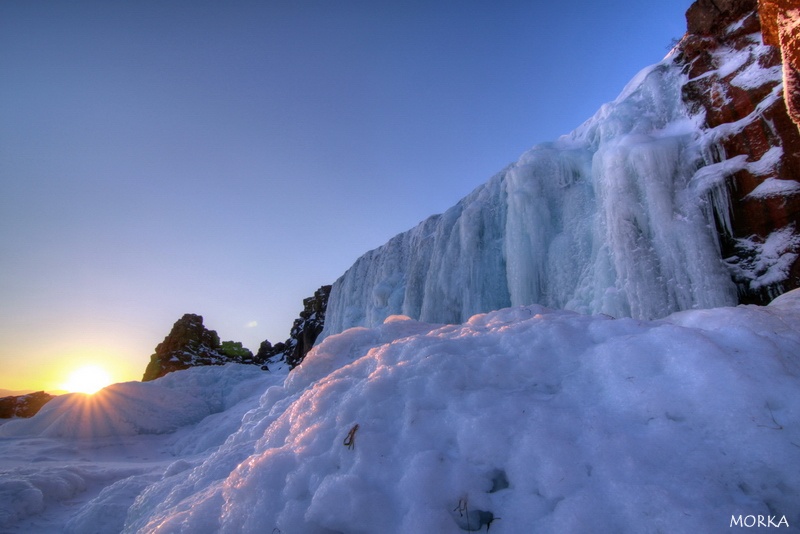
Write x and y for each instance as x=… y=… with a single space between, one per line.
x=604 y=220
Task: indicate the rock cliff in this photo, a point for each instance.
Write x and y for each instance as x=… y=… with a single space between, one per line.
x=780 y=26
x=735 y=87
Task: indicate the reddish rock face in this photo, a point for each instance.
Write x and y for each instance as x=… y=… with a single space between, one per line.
x=735 y=87
x=780 y=21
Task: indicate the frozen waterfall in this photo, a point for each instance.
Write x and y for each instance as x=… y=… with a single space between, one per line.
x=605 y=220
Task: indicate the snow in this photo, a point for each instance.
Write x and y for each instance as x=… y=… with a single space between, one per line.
x=523 y=419
x=81 y=461
x=766 y=262
x=773 y=187
x=755 y=76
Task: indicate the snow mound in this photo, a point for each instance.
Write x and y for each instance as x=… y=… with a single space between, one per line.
x=525 y=419
x=79 y=465
x=132 y=408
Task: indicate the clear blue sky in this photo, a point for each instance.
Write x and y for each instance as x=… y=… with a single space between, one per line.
x=228 y=158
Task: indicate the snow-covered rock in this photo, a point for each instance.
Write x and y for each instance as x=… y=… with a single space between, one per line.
x=23 y=405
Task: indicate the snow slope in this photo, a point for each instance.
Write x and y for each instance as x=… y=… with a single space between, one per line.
x=608 y=219
x=525 y=419
x=107 y=447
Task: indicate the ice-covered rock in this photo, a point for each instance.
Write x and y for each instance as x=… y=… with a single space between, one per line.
x=603 y=220
x=629 y=215
x=751 y=146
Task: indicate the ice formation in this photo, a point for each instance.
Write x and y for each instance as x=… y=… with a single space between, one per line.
x=526 y=419
x=614 y=218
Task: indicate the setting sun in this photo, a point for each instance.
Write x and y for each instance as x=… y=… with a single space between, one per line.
x=88 y=379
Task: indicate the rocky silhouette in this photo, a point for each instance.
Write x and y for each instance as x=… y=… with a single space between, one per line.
x=190 y=344
x=23 y=405
x=303 y=335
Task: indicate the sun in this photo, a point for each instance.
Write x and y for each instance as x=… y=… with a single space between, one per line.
x=87 y=379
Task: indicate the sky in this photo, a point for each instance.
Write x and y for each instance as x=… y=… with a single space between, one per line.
x=229 y=158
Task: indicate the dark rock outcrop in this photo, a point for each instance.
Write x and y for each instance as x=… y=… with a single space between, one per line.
x=304 y=332
x=710 y=17
x=23 y=405
x=190 y=344
x=752 y=138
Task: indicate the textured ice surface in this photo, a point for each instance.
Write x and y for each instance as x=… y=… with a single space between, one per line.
x=610 y=219
x=533 y=419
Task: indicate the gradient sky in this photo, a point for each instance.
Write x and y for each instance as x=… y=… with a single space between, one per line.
x=228 y=158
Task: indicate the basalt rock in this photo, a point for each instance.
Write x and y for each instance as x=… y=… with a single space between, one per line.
x=23 y=405
x=303 y=335
x=752 y=138
x=190 y=344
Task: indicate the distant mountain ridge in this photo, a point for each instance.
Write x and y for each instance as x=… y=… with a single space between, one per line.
x=680 y=194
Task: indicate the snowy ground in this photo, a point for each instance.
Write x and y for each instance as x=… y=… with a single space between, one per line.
x=522 y=420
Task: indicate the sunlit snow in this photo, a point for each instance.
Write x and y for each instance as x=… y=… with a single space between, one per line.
x=526 y=419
